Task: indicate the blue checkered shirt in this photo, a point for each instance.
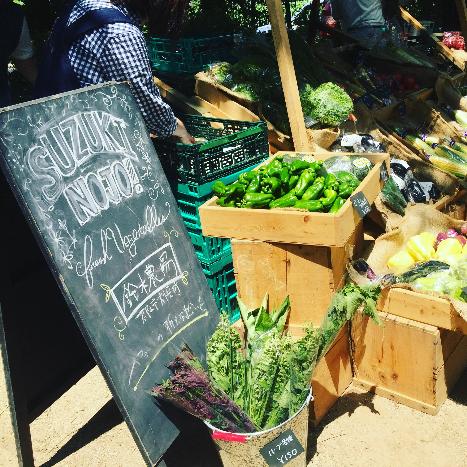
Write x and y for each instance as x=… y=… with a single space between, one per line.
x=118 y=52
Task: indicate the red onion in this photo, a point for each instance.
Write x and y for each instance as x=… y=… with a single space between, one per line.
x=462 y=239
x=440 y=237
x=452 y=233
x=464 y=229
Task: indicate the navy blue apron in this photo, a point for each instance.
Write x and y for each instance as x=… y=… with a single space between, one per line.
x=11 y=25
x=56 y=74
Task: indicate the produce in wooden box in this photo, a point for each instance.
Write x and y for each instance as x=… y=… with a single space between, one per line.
x=448 y=247
x=314 y=186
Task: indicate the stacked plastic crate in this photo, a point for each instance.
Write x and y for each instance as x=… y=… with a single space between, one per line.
x=224 y=149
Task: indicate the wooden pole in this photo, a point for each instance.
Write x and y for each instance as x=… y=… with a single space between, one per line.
x=288 y=78
x=462 y=10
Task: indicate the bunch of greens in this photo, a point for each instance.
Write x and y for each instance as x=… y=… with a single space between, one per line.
x=262 y=380
x=328 y=104
x=190 y=389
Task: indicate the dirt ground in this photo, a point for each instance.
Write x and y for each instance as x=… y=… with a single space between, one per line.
x=84 y=428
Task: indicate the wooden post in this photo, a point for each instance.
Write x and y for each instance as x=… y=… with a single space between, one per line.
x=288 y=78
x=462 y=10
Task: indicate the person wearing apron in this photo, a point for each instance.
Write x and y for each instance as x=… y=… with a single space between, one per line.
x=95 y=41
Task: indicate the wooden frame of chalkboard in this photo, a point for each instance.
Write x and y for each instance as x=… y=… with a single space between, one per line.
x=87 y=177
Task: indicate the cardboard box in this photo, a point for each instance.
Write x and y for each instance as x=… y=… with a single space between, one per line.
x=293 y=226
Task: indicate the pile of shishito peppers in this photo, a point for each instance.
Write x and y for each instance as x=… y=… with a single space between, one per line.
x=298 y=184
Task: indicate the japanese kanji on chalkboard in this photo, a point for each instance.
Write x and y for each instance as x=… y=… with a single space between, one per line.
x=361 y=204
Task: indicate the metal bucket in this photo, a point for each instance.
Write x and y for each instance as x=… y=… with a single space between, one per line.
x=285 y=444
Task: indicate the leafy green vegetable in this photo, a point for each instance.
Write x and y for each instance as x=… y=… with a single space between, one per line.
x=226 y=363
x=328 y=104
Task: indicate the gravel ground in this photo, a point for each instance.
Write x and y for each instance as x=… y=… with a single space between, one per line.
x=84 y=428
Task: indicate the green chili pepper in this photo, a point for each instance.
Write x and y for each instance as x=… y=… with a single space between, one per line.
x=225 y=203
x=310 y=205
x=347 y=177
x=306 y=179
x=274 y=168
x=338 y=203
x=218 y=188
x=298 y=166
x=316 y=165
x=270 y=185
x=314 y=190
x=284 y=175
x=331 y=181
x=246 y=177
x=329 y=197
x=256 y=200
x=285 y=201
x=345 y=190
x=236 y=189
x=293 y=181
x=255 y=184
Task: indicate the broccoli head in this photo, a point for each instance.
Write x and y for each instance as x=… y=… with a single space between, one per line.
x=328 y=104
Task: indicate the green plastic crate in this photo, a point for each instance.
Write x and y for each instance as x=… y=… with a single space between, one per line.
x=221 y=279
x=189 y=55
x=207 y=249
x=230 y=147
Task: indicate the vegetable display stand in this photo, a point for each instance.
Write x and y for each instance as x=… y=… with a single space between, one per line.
x=332 y=376
x=284 y=444
x=188 y=55
x=411 y=363
x=424 y=308
x=294 y=226
x=309 y=275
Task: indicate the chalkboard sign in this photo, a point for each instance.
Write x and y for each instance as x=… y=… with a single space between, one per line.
x=282 y=449
x=361 y=204
x=384 y=173
x=88 y=179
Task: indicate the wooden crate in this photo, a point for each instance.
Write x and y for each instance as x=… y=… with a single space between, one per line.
x=293 y=226
x=411 y=363
x=309 y=275
x=428 y=309
x=332 y=376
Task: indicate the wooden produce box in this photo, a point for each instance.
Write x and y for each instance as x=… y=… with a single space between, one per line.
x=409 y=362
x=332 y=376
x=429 y=309
x=309 y=275
x=293 y=226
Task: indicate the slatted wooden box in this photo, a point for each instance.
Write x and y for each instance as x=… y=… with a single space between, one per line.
x=409 y=362
x=293 y=226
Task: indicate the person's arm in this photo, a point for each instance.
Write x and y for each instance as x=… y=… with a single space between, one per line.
x=125 y=58
x=23 y=55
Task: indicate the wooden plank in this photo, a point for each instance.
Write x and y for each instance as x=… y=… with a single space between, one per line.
x=189 y=105
x=288 y=78
x=332 y=376
x=292 y=226
x=223 y=102
x=446 y=51
x=462 y=13
x=428 y=309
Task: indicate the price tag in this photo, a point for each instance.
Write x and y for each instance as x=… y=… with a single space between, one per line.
x=384 y=172
x=282 y=449
x=361 y=204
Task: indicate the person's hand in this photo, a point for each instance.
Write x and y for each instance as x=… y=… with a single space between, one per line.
x=182 y=134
